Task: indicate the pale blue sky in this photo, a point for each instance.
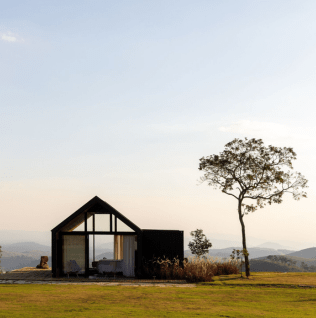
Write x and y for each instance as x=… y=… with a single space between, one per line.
x=120 y=99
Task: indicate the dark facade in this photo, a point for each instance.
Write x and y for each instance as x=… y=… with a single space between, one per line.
x=150 y=243
x=162 y=244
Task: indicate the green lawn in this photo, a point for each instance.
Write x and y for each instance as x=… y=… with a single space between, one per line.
x=265 y=294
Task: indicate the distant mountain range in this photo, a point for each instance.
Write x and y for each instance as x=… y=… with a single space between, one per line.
x=24 y=254
x=273 y=245
x=254 y=252
x=24 y=247
x=27 y=254
x=220 y=241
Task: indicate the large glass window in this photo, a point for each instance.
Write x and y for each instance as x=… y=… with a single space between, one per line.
x=74 y=249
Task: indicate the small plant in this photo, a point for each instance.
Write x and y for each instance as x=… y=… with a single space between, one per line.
x=239 y=255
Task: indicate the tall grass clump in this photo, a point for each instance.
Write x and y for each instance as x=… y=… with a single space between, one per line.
x=194 y=269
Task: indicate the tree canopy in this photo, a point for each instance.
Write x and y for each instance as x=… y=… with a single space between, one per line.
x=248 y=170
x=200 y=244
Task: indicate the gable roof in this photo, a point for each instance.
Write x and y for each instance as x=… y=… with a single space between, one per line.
x=96 y=205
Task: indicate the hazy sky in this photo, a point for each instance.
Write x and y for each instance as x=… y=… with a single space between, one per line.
x=121 y=99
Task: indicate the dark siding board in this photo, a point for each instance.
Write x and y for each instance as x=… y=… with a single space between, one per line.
x=139 y=254
x=162 y=243
x=54 y=254
x=97 y=208
x=98 y=233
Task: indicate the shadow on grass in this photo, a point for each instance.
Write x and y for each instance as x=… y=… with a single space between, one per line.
x=224 y=278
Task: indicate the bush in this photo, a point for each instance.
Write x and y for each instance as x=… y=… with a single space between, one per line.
x=192 y=270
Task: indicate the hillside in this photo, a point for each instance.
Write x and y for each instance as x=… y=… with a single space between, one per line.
x=267 y=266
x=25 y=247
x=31 y=254
x=8 y=264
x=305 y=253
x=296 y=261
x=107 y=255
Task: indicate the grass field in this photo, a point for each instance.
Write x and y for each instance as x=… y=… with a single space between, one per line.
x=265 y=294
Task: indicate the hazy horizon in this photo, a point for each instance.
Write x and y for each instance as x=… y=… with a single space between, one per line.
x=218 y=240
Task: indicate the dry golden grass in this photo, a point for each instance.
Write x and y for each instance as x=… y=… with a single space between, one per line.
x=193 y=270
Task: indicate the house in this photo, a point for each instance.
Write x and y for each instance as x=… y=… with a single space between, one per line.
x=74 y=239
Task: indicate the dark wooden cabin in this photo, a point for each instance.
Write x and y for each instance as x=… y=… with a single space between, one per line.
x=132 y=245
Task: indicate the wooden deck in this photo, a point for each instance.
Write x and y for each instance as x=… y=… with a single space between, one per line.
x=28 y=273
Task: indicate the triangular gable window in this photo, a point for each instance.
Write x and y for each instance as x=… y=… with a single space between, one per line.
x=102 y=224
x=122 y=227
x=79 y=228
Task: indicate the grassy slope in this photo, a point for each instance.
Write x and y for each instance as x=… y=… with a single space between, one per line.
x=299 y=260
x=228 y=296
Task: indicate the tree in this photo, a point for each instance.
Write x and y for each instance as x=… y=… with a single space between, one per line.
x=200 y=244
x=247 y=170
x=312 y=268
x=282 y=259
x=304 y=266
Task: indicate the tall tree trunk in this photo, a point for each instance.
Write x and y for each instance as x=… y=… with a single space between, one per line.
x=247 y=266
